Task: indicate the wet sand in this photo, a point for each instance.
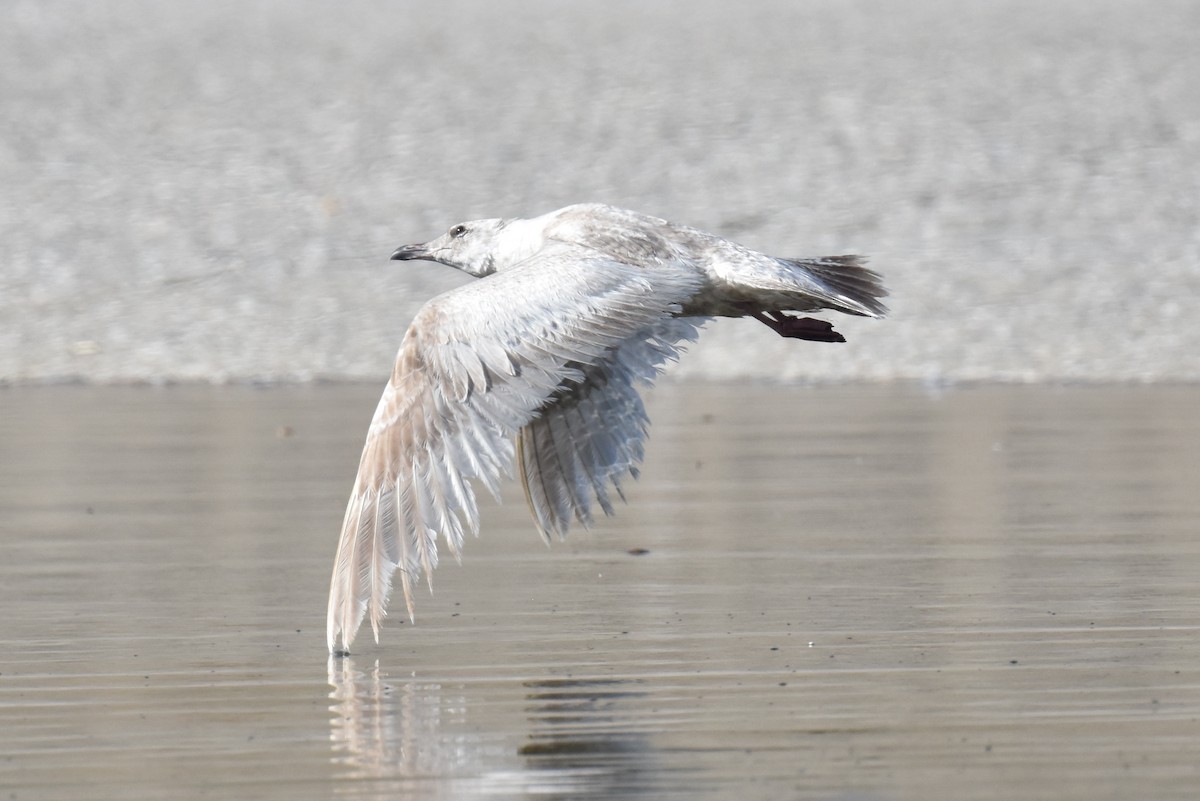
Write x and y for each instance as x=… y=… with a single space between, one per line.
x=846 y=592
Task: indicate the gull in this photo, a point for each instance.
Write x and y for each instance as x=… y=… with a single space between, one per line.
x=540 y=364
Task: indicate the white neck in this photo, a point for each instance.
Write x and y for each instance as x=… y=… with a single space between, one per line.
x=519 y=240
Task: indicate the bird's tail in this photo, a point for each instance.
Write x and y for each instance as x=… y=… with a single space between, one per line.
x=847 y=284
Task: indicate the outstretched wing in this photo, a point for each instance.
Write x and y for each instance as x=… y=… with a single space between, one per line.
x=589 y=434
x=474 y=368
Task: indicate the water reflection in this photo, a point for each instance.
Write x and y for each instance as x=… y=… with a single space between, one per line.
x=381 y=728
x=582 y=738
x=569 y=737
x=849 y=593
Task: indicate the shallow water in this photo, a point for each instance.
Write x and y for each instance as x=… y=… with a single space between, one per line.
x=847 y=592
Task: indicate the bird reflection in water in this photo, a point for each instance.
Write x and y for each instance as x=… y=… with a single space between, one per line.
x=584 y=737
x=581 y=736
x=380 y=727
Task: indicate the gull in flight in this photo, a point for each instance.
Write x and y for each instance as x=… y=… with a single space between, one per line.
x=540 y=364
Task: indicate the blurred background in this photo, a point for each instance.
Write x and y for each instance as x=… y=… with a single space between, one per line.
x=211 y=191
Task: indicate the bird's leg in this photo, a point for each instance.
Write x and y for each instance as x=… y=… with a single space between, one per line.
x=809 y=328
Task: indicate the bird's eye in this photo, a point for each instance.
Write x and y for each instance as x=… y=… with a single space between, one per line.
x=458 y=231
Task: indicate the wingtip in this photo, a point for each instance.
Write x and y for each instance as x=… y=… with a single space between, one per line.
x=331 y=640
x=332 y=627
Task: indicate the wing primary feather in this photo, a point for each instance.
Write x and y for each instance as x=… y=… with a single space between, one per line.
x=464 y=499
x=342 y=604
x=571 y=482
x=409 y=562
x=383 y=526
x=422 y=531
x=362 y=566
x=532 y=482
x=587 y=432
x=446 y=520
x=559 y=503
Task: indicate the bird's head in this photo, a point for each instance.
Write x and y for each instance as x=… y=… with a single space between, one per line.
x=478 y=247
